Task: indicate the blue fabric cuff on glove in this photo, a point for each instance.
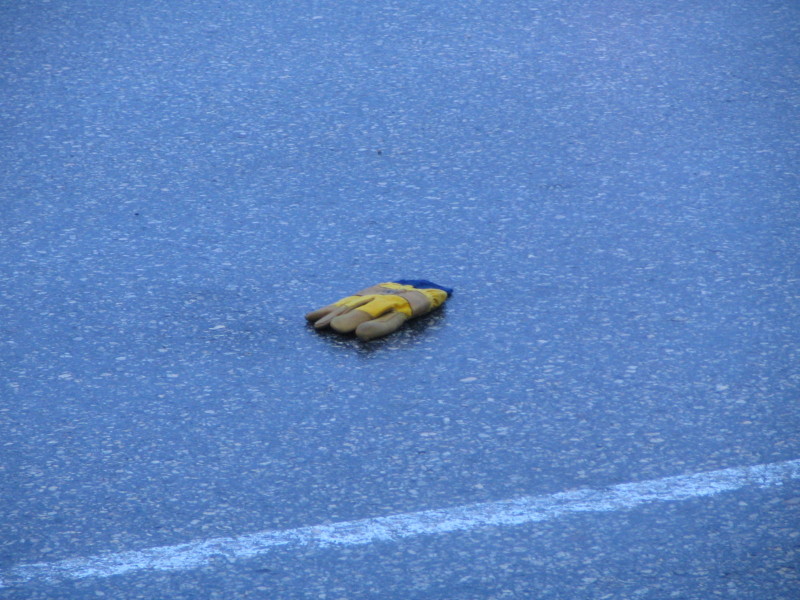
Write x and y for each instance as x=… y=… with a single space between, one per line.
x=423 y=284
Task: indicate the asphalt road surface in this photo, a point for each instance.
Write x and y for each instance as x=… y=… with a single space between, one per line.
x=606 y=408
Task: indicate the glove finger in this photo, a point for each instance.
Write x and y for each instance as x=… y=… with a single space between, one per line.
x=349 y=321
x=331 y=315
x=316 y=315
x=381 y=326
x=323 y=316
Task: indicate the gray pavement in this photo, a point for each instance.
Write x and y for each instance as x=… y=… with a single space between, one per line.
x=610 y=187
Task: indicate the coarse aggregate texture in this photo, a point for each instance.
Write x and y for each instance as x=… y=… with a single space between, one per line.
x=610 y=187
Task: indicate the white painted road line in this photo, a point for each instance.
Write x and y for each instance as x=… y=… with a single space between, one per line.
x=519 y=511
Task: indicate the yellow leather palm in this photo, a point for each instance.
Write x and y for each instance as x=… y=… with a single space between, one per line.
x=378 y=304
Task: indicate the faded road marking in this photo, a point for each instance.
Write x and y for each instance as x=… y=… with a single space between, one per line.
x=528 y=509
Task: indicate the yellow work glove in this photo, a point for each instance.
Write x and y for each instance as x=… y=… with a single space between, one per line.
x=381 y=309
